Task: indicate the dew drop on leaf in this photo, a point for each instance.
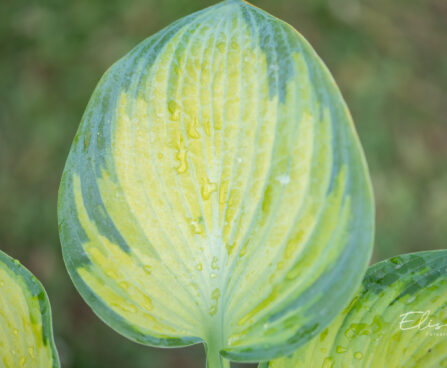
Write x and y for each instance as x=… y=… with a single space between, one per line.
x=214 y=264
x=340 y=349
x=192 y=128
x=174 y=110
x=196 y=227
x=208 y=187
x=216 y=294
x=213 y=310
x=328 y=363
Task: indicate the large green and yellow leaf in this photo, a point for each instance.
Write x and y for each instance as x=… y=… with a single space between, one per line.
x=26 y=335
x=398 y=319
x=216 y=190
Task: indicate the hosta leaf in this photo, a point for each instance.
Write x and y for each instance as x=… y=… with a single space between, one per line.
x=216 y=190
x=26 y=335
x=398 y=318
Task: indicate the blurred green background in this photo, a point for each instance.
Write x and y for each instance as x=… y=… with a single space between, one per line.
x=388 y=56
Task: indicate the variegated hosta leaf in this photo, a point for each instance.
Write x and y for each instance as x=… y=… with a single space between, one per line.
x=216 y=190
x=398 y=318
x=26 y=334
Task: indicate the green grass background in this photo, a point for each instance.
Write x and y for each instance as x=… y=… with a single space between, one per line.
x=388 y=57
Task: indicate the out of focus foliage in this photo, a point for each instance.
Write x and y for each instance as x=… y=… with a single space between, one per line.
x=388 y=57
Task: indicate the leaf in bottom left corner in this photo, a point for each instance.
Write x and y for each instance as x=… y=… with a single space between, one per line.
x=26 y=334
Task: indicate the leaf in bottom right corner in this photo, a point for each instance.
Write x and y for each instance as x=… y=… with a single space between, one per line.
x=398 y=318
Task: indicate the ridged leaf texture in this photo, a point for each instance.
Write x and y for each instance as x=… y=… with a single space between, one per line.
x=216 y=190
x=26 y=335
x=398 y=319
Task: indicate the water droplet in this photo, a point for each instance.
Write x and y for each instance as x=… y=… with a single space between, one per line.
x=358 y=355
x=174 y=110
x=324 y=334
x=357 y=329
x=112 y=275
x=215 y=294
x=411 y=299
x=181 y=156
x=130 y=308
x=230 y=248
x=340 y=349
x=283 y=179
x=196 y=289
x=147 y=269
x=124 y=285
x=192 y=129
x=147 y=303
x=207 y=127
x=214 y=264
x=207 y=188
x=127 y=308
x=328 y=362
x=213 y=310
x=213 y=275
x=17 y=262
x=199 y=267
x=196 y=227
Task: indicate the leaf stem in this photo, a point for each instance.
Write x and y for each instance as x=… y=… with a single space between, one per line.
x=213 y=357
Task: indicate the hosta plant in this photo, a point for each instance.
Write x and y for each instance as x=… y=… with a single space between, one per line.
x=216 y=191
x=26 y=335
x=397 y=319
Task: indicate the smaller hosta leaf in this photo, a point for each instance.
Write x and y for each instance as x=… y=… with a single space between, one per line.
x=26 y=335
x=397 y=319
